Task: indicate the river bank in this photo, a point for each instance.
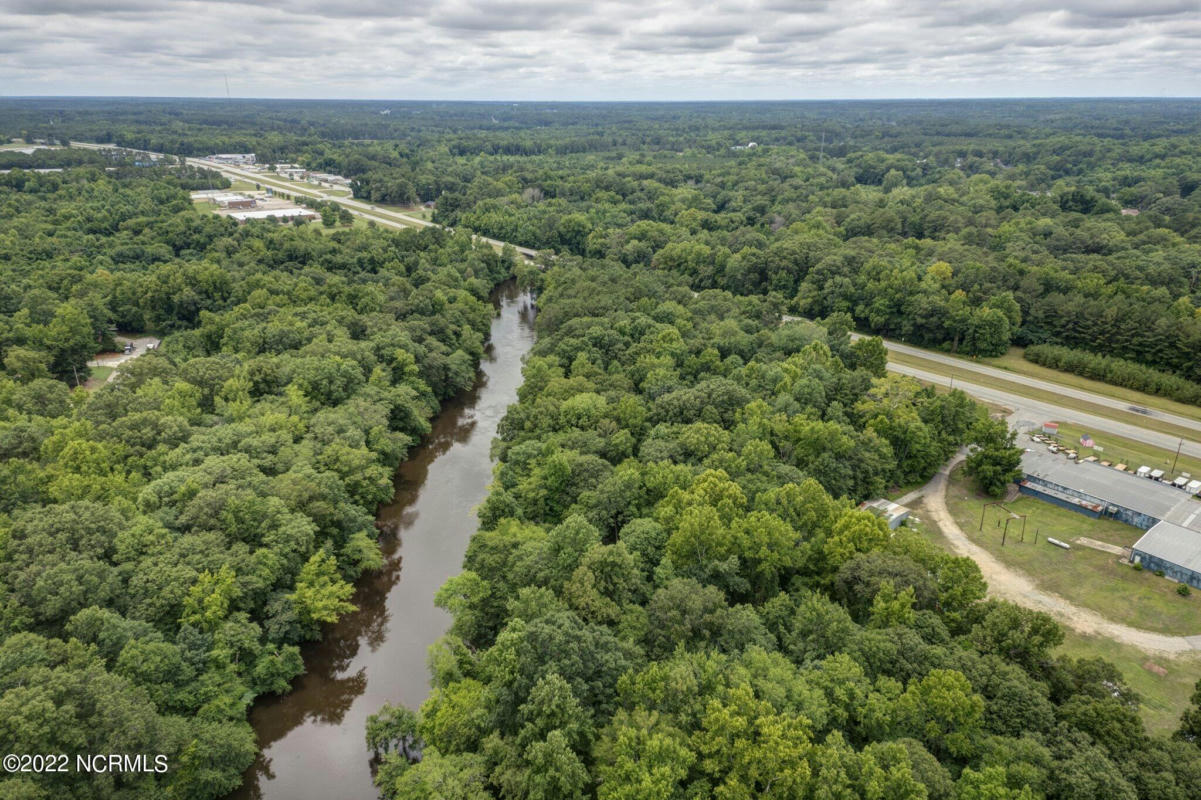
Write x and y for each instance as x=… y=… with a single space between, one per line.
x=312 y=739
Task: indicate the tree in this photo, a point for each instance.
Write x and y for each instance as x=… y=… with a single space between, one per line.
x=869 y=353
x=393 y=728
x=987 y=333
x=646 y=764
x=27 y=364
x=448 y=777
x=988 y=784
x=456 y=717
x=892 y=608
x=71 y=341
x=942 y=711
x=555 y=772
x=1016 y=634
x=749 y=751
x=995 y=460
x=321 y=595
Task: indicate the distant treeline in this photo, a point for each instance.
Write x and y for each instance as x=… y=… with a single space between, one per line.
x=1117 y=371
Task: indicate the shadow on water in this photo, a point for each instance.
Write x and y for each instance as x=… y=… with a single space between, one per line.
x=312 y=739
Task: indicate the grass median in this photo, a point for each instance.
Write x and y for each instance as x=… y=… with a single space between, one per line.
x=1023 y=390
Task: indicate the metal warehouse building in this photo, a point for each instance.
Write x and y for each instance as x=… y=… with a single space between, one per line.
x=1105 y=492
x=1172 y=548
x=1171 y=517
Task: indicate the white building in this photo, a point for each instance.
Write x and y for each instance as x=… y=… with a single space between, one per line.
x=233 y=158
x=277 y=213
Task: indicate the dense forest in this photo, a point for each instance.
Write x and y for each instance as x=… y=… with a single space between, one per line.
x=169 y=538
x=967 y=225
x=670 y=595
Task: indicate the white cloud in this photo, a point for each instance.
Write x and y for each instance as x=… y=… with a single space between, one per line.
x=605 y=49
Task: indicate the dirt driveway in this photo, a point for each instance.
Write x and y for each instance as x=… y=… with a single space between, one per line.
x=140 y=345
x=1015 y=586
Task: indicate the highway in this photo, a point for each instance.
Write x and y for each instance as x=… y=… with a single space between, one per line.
x=386 y=218
x=1035 y=383
x=1028 y=413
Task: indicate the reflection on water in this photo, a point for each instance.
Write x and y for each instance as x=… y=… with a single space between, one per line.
x=312 y=739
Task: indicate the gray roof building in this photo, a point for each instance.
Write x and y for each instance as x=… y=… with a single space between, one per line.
x=891 y=512
x=1172 y=548
x=1137 y=501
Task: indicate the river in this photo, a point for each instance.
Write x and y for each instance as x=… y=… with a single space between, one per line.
x=312 y=739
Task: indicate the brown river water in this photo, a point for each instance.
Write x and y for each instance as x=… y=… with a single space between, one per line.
x=312 y=739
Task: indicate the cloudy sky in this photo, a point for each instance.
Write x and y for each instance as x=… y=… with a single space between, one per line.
x=602 y=49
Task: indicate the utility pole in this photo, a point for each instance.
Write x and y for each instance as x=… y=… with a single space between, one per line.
x=1177 y=458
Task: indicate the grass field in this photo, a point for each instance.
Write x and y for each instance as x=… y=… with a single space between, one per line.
x=1022 y=390
x=359 y=222
x=896 y=491
x=1124 y=451
x=100 y=374
x=1101 y=581
x=1164 y=696
x=420 y=212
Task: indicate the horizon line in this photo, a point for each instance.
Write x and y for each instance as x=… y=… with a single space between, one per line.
x=729 y=101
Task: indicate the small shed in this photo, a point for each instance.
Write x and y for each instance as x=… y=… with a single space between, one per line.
x=1157 y=474
x=887 y=510
x=1193 y=487
x=1144 y=472
x=1180 y=482
x=1051 y=428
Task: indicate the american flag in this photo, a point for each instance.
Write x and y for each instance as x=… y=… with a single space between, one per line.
x=1087 y=441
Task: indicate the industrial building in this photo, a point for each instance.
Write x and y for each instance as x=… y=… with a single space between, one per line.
x=1098 y=491
x=1172 y=549
x=233 y=200
x=1170 y=516
x=232 y=158
x=225 y=199
x=275 y=213
x=328 y=177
